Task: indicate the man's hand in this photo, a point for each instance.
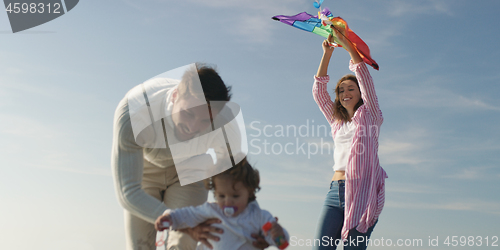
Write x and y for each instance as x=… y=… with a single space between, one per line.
x=260 y=242
x=204 y=231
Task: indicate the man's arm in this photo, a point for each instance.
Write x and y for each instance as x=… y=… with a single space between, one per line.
x=204 y=232
x=127 y=166
x=187 y=217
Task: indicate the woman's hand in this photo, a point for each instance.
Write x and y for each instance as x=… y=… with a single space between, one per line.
x=204 y=231
x=327 y=48
x=348 y=45
x=342 y=38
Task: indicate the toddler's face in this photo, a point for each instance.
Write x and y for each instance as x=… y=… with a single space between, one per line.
x=228 y=195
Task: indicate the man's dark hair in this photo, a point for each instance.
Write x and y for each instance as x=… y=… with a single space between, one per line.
x=214 y=88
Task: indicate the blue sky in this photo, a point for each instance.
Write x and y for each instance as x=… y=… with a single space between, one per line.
x=437 y=86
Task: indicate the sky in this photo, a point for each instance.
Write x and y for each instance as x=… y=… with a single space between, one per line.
x=437 y=86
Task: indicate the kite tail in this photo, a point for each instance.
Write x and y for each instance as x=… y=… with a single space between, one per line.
x=362 y=48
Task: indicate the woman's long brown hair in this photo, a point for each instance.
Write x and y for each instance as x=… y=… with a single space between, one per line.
x=340 y=114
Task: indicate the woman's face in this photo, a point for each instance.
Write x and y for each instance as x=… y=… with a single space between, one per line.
x=349 y=94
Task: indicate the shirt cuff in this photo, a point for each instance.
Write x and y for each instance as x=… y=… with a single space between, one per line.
x=322 y=79
x=167 y=211
x=353 y=67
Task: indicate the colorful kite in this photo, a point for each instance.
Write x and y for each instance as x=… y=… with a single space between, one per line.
x=321 y=25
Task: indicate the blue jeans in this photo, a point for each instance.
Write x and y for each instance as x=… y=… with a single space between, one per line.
x=332 y=220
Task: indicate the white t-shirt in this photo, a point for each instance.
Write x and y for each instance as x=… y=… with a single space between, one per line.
x=343 y=145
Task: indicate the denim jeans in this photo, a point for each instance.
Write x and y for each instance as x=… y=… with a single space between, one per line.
x=332 y=220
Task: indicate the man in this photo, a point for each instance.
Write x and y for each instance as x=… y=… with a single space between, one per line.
x=162 y=130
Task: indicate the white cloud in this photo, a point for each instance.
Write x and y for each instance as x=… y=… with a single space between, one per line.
x=490 y=207
x=303 y=178
x=243 y=5
x=473 y=173
x=69 y=164
x=14 y=71
x=398 y=152
x=254 y=28
x=68 y=241
x=383 y=37
x=24 y=127
x=293 y=197
x=406 y=8
x=294 y=170
x=412 y=188
x=43 y=145
x=432 y=96
x=253 y=18
x=404 y=147
x=248 y=21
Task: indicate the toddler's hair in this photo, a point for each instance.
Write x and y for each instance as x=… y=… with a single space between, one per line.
x=243 y=172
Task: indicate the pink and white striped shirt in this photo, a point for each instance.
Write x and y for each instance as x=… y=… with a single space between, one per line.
x=365 y=178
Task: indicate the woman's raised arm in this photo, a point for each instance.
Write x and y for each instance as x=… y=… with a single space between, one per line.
x=325 y=60
x=355 y=57
x=320 y=92
x=365 y=80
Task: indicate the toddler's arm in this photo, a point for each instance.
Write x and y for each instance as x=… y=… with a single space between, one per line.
x=163 y=221
x=273 y=230
x=187 y=216
x=279 y=236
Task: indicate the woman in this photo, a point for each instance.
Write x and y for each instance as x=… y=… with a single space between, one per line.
x=356 y=195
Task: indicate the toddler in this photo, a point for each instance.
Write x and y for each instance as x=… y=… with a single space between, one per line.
x=236 y=207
